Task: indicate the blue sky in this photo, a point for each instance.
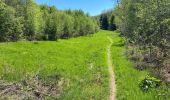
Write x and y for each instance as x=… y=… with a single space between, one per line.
x=93 y=7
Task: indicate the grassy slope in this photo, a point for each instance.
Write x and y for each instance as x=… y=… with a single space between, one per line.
x=80 y=62
x=128 y=78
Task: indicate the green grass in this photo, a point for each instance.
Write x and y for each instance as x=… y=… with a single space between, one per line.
x=79 y=65
x=128 y=78
x=80 y=62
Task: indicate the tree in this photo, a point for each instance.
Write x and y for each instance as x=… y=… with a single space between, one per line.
x=33 y=21
x=104 y=22
x=112 y=23
x=145 y=24
x=10 y=26
x=28 y=20
x=68 y=26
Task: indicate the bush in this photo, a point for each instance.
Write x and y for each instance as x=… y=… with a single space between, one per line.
x=149 y=83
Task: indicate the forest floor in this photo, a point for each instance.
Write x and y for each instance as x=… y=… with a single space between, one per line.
x=72 y=69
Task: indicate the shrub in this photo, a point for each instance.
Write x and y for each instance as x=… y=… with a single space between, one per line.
x=149 y=82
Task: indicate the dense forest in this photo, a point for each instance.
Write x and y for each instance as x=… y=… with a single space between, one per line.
x=25 y=19
x=106 y=20
x=146 y=27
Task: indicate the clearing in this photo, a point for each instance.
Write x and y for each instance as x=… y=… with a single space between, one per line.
x=70 y=69
x=74 y=68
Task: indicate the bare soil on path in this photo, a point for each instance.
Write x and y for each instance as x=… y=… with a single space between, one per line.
x=111 y=72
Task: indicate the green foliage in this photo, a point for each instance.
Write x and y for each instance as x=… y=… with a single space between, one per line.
x=10 y=25
x=68 y=26
x=145 y=24
x=112 y=23
x=127 y=77
x=51 y=22
x=149 y=83
x=33 y=21
x=106 y=20
x=24 y=19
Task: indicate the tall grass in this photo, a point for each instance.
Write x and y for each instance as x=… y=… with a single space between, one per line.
x=79 y=64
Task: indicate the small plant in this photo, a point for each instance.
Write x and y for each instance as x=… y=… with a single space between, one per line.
x=36 y=42
x=149 y=83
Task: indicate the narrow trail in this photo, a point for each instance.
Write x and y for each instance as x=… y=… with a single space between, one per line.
x=111 y=73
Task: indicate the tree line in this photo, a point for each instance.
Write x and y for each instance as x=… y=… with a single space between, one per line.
x=25 y=19
x=146 y=26
x=106 y=20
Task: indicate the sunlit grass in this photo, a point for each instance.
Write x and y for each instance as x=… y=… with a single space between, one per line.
x=79 y=65
x=79 y=62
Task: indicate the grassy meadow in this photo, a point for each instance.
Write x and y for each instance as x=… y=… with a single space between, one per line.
x=78 y=64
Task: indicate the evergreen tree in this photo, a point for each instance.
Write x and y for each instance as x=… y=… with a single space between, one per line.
x=104 y=22
x=112 y=23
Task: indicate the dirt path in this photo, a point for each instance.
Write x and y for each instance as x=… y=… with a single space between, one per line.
x=110 y=68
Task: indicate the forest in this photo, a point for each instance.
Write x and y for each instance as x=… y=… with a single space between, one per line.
x=47 y=53
x=25 y=19
x=146 y=27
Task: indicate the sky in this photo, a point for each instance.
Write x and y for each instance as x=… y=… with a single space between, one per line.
x=93 y=7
